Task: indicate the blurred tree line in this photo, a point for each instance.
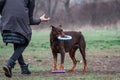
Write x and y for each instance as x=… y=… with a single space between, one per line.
x=94 y=12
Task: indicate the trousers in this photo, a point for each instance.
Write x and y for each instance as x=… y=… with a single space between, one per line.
x=17 y=54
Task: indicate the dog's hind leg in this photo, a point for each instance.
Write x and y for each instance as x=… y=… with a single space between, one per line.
x=82 y=50
x=72 y=56
x=84 y=59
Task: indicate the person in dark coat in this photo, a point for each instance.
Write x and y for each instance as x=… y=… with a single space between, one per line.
x=17 y=16
x=0 y=24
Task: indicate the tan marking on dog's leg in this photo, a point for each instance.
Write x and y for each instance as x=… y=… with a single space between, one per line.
x=84 y=69
x=72 y=56
x=73 y=67
x=55 y=64
x=61 y=66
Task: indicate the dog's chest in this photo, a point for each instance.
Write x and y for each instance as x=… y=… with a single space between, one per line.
x=58 y=46
x=55 y=45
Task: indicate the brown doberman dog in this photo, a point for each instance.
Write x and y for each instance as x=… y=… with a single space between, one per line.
x=62 y=46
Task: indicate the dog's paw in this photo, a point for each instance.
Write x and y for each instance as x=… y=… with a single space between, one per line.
x=71 y=70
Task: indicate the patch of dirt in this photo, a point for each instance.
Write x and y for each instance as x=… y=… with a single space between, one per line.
x=96 y=64
x=104 y=64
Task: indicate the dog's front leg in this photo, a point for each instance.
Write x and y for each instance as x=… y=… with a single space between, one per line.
x=62 y=58
x=55 y=61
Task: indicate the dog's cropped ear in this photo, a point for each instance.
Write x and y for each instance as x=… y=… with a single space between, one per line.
x=51 y=26
x=60 y=25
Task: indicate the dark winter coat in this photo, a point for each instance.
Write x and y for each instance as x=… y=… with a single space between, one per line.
x=17 y=16
x=0 y=24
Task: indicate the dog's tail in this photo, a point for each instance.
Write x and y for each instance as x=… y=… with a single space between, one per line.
x=82 y=40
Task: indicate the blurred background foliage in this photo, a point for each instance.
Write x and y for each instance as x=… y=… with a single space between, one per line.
x=80 y=12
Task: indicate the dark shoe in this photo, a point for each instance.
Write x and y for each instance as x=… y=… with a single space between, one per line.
x=8 y=68
x=24 y=69
x=8 y=71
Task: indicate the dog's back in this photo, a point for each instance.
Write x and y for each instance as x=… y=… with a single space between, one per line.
x=74 y=42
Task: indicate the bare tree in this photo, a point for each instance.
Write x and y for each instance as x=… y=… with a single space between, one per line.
x=50 y=10
x=93 y=12
x=117 y=8
x=49 y=7
x=39 y=7
x=67 y=8
x=54 y=8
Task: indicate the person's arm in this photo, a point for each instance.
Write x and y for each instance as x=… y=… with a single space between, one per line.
x=2 y=3
x=33 y=21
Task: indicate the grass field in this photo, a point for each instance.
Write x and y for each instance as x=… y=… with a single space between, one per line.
x=103 y=55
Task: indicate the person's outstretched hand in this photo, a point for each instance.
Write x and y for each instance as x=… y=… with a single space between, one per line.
x=44 y=19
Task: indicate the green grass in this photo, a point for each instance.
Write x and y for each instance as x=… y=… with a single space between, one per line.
x=102 y=39
x=39 y=49
x=95 y=39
